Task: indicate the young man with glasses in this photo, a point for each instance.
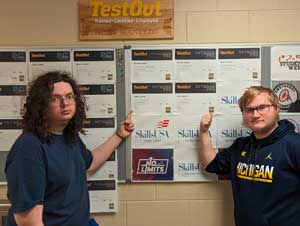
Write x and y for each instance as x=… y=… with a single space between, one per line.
x=264 y=167
x=46 y=167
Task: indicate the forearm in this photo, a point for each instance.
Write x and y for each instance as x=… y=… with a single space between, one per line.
x=32 y=217
x=102 y=152
x=207 y=153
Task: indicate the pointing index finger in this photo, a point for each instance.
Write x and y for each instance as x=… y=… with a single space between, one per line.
x=129 y=115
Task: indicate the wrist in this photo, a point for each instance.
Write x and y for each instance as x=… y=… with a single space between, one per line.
x=119 y=135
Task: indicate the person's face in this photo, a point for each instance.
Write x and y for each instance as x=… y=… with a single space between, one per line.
x=261 y=116
x=62 y=103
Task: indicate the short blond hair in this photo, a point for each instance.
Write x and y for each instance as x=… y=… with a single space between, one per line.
x=252 y=92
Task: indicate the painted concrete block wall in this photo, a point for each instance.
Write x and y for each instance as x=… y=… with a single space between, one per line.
x=42 y=23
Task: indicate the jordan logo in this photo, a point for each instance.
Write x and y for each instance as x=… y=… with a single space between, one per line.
x=269 y=156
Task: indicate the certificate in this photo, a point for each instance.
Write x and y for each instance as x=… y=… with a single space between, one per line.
x=13 y=67
x=194 y=98
x=152 y=98
x=196 y=64
x=42 y=61
x=239 y=64
x=229 y=128
x=103 y=196
x=187 y=132
x=97 y=131
x=229 y=94
x=10 y=130
x=94 y=66
x=285 y=63
x=109 y=170
x=151 y=65
x=153 y=131
x=12 y=98
x=8 y=138
x=11 y=106
x=187 y=166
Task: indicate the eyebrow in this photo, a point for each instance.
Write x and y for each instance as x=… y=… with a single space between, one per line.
x=54 y=94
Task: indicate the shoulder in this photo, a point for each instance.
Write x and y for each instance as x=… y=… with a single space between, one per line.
x=27 y=144
x=241 y=141
x=292 y=139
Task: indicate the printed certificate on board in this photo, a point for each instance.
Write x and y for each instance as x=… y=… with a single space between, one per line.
x=239 y=64
x=285 y=63
x=187 y=165
x=229 y=93
x=152 y=98
x=97 y=131
x=194 y=98
x=103 y=196
x=94 y=66
x=187 y=131
x=151 y=65
x=195 y=64
x=13 y=67
x=10 y=130
x=100 y=99
x=153 y=131
x=42 y=61
x=12 y=98
x=229 y=128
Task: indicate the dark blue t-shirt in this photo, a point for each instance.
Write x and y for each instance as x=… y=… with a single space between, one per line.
x=53 y=175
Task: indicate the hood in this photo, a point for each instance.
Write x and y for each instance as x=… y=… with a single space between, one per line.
x=284 y=127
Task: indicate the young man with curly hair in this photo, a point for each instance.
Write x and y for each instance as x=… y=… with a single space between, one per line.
x=46 y=166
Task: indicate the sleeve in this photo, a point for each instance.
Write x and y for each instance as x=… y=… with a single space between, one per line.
x=86 y=154
x=294 y=152
x=221 y=164
x=26 y=175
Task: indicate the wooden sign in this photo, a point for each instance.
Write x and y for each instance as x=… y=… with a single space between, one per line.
x=126 y=19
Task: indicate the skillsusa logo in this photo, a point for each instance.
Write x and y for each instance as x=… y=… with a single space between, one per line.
x=158 y=133
x=163 y=124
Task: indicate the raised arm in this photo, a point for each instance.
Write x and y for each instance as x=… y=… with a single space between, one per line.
x=207 y=153
x=102 y=152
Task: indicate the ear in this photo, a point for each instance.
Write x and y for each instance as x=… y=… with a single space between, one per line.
x=276 y=108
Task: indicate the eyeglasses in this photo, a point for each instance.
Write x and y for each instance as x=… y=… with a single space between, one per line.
x=57 y=99
x=261 y=109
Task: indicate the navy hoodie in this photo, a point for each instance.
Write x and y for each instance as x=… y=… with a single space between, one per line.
x=265 y=176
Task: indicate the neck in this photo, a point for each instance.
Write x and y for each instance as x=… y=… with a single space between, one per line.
x=263 y=133
x=58 y=128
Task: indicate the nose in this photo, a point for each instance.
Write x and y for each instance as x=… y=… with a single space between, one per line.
x=255 y=113
x=64 y=101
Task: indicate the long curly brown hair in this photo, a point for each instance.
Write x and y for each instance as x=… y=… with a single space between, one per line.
x=35 y=118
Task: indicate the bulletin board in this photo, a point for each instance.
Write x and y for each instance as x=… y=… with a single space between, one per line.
x=99 y=71
x=168 y=87
x=171 y=87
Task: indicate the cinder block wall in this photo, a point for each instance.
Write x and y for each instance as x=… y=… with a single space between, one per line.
x=42 y=23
